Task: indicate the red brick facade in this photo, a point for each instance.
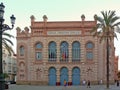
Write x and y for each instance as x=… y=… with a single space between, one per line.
x=38 y=65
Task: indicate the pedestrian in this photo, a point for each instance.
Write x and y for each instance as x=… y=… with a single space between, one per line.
x=88 y=84
x=98 y=82
x=65 y=82
x=101 y=81
x=117 y=83
x=84 y=82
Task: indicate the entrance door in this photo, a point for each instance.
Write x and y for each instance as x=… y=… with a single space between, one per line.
x=63 y=75
x=52 y=76
x=76 y=76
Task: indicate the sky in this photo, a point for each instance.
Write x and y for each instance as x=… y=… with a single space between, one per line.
x=57 y=10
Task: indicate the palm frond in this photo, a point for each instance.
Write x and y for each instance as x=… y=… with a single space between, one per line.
x=115 y=35
x=8 y=35
x=8 y=48
x=114 y=19
x=7 y=41
x=111 y=14
x=100 y=19
x=116 y=24
x=105 y=27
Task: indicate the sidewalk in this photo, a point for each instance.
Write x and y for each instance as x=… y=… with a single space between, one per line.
x=31 y=87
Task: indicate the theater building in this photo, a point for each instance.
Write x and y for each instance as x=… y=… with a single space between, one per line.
x=53 y=51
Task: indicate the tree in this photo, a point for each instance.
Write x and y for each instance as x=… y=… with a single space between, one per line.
x=7 y=43
x=106 y=29
x=5 y=75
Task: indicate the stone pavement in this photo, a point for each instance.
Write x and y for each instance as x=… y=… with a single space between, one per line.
x=33 y=87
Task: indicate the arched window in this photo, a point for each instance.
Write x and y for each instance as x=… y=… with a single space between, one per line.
x=22 y=51
x=89 y=50
x=52 y=51
x=38 y=51
x=76 y=51
x=38 y=46
x=89 y=45
x=64 y=52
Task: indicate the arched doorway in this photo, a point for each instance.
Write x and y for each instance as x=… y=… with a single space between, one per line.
x=63 y=75
x=76 y=76
x=52 y=76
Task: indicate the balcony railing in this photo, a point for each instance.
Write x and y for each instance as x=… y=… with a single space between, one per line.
x=63 y=60
x=52 y=60
x=76 y=60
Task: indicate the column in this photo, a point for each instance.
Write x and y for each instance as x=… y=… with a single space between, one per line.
x=82 y=49
x=58 y=77
x=70 y=77
x=70 y=52
x=58 y=52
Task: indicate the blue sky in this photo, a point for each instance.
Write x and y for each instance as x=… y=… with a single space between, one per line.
x=57 y=10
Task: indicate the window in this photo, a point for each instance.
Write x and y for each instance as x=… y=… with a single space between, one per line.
x=22 y=51
x=89 y=50
x=38 y=55
x=89 y=45
x=52 y=51
x=89 y=55
x=64 y=53
x=38 y=46
x=76 y=51
x=38 y=51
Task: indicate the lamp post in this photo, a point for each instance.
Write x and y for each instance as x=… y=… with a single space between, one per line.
x=3 y=27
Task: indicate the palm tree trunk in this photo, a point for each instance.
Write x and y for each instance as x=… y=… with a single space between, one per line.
x=107 y=62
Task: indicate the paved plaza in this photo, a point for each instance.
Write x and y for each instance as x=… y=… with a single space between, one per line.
x=31 y=87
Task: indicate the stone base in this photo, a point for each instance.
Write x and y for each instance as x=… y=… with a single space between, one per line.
x=57 y=83
x=32 y=82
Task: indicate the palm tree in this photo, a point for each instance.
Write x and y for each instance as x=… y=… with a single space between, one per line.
x=7 y=43
x=106 y=29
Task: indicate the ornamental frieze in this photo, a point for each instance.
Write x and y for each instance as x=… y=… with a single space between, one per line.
x=75 y=32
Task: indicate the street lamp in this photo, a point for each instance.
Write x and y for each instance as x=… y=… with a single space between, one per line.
x=3 y=27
